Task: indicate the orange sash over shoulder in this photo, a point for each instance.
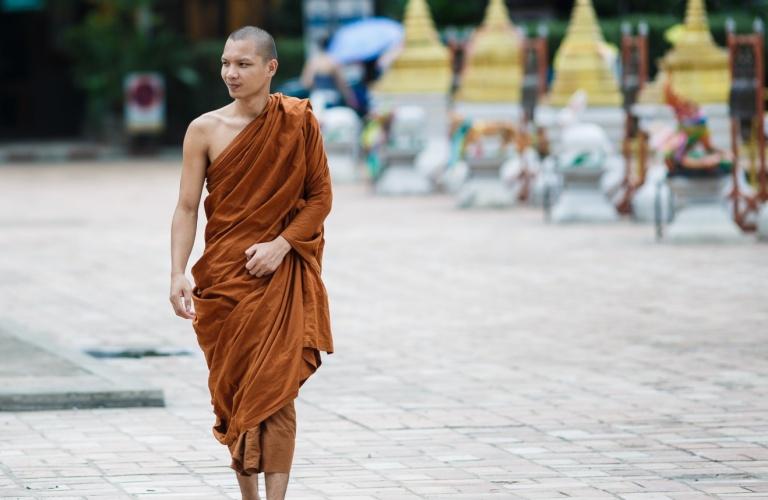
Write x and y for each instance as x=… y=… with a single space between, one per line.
x=262 y=336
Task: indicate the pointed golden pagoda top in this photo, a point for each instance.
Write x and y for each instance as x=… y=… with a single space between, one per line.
x=696 y=67
x=582 y=61
x=424 y=63
x=696 y=17
x=695 y=47
x=583 y=26
x=493 y=71
x=496 y=16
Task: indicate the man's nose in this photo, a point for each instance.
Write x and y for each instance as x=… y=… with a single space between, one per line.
x=231 y=73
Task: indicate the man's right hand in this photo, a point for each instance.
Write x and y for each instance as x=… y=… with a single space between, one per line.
x=181 y=296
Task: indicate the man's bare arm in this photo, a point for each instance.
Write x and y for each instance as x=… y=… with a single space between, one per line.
x=307 y=74
x=184 y=225
x=344 y=88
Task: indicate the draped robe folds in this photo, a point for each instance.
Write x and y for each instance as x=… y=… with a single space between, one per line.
x=262 y=336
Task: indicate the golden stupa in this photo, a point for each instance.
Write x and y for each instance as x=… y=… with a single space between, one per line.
x=494 y=71
x=696 y=67
x=424 y=65
x=653 y=91
x=580 y=62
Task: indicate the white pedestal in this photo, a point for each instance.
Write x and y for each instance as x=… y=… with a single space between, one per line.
x=341 y=135
x=401 y=178
x=644 y=199
x=650 y=114
x=700 y=216
x=762 y=223
x=342 y=162
x=484 y=187
x=582 y=199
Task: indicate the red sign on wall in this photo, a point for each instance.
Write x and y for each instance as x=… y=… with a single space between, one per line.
x=144 y=102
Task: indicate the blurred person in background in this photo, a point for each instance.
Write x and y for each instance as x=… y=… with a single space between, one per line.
x=324 y=77
x=260 y=307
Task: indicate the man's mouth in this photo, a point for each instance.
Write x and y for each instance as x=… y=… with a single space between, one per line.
x=233 y=86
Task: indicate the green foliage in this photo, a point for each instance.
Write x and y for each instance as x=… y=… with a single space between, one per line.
x=113 y=40
x=290 y=51
x=612 y=8
x=465 y=13
x=286 y=18
x=444 y=12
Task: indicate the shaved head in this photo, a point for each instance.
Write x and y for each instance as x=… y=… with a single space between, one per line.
x=265 y=44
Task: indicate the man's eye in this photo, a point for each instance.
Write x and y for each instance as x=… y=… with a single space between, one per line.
x=243 y=65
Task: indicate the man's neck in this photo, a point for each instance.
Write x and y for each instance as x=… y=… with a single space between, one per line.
x=252 y=106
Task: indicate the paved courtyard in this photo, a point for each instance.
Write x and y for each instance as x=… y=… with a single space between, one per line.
x=479 y=354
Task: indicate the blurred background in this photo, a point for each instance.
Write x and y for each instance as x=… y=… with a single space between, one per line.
x=509 y=319
x=64 y=62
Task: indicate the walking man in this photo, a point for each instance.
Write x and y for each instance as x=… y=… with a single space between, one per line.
x=260 y=307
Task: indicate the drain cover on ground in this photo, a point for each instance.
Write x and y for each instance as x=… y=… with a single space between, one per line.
x=137 y=352
x=37 y=373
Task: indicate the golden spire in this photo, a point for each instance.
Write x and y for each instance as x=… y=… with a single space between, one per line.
x=496 y=15
x=424 y=63
x=582 y=61
x=493 y=71
x=697 y=68
x=696 y=18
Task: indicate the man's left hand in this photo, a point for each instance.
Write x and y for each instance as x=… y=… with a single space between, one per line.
x=264 y=258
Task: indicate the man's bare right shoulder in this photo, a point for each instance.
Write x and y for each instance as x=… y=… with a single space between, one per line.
x=207 y=122
x=203 y=124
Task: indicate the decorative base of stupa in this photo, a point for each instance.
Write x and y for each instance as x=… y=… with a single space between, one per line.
x=491 y=111
x=582 y=205
x=400 y=175
x=610 y=119
x=704 y=224
x=700 y=215
x=342 y=163
x=433 y=158
x=762 y=223
x=484 y=187
x=654 y=192
x=452 y=179
x=341 y=135
x=400 y=180
x=343 y=168
x=486 y=193
x=582 y=198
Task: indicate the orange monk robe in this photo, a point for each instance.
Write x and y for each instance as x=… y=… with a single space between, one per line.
x=261 y=336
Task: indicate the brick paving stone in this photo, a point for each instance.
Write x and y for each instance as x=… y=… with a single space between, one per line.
x=480 y=354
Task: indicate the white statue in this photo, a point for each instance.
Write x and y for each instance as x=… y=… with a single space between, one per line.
x=341 y=134
x=588 y=166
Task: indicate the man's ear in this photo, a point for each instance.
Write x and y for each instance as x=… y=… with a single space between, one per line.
x=272 y=67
